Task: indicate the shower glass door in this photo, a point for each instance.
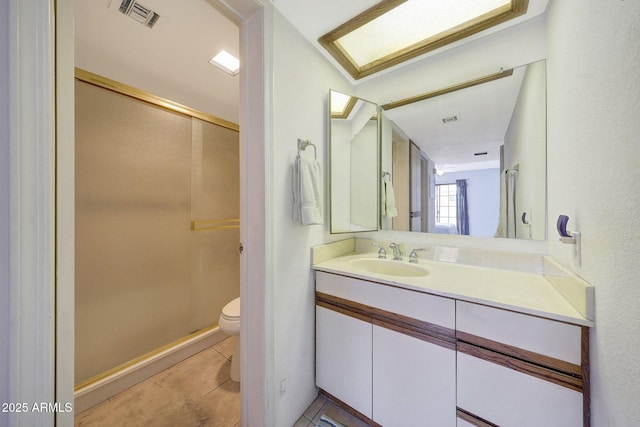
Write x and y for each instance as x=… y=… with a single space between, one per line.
x=157 y=229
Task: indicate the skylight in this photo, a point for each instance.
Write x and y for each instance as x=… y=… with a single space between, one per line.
x=341 y=105
x=394 y=31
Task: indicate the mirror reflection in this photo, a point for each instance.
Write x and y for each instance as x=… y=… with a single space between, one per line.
x=354 y=164
x=469 y=161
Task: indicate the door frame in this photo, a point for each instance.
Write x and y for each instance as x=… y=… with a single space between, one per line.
x=254 y=18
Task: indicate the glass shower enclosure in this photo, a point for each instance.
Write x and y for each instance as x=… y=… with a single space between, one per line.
x=157 y=228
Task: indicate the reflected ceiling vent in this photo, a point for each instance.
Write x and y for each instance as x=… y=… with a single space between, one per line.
x=136 y=11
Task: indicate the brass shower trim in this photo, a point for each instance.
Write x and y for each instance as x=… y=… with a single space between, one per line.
x=215 y=224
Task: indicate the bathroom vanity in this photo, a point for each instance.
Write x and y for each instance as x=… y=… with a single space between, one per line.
x=445 y=344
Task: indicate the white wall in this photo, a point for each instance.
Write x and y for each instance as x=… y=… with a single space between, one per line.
x=525 y=146
x=302 y=79
x=593 y=128
x=483 y=197
x=364 y=171
x=340 y=175
x=4 y=208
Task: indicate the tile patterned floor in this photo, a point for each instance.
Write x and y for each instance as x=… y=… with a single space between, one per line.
x=196 y=392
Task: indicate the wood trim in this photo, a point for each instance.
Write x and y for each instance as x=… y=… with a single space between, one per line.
x=527 y=368
x=112 y=85
x=473 y=419
x=349 y=409
x=586 y=378
x=359 y=20
x=449 y=89
x=415 y=333
x=490 y=19
x=528 y=356
x=435 y=334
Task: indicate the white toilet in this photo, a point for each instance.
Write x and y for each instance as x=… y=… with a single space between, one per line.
x=229 y=322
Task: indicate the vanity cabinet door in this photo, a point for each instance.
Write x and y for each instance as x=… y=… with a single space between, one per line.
x=343 y=358
x=413 y=381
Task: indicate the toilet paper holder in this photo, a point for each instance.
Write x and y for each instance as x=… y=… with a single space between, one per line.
x=569 y=237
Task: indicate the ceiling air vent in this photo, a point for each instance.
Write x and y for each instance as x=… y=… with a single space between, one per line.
x=138 y=12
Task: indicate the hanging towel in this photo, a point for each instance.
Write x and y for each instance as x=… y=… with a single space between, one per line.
x=507 y=215
x=307 y=191
x=389 y=203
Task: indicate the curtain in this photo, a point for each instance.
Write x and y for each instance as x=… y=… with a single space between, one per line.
x=507 y=219
x=462 y=210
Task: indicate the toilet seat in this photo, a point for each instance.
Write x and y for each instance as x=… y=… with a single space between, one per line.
x=229 y=323
x=231 y=311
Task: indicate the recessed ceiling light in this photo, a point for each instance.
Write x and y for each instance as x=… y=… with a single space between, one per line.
x=226 y=62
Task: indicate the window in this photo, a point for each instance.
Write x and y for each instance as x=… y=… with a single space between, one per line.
x=446 y=205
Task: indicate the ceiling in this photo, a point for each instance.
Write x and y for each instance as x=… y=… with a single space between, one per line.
x=314 y=18
x=483 y=113
x=170 y=60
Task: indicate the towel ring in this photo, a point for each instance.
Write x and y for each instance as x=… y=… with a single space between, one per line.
x=302 y=144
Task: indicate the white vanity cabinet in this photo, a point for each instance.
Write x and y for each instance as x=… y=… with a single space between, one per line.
x=399 y=357
x=388 y=353
x=515 y=369
x=413 y=381
x=343 y=358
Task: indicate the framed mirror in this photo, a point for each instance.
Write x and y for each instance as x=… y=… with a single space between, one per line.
x=469 y=159
x=354 y=158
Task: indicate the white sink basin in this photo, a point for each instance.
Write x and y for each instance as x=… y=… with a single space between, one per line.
x=389 y=268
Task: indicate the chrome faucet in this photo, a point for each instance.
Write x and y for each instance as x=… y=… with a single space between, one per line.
x=413 y=256
x=397 y=253
x=382 y=254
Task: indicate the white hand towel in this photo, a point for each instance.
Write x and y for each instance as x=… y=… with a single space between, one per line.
x=390 y=209
x=307 y=191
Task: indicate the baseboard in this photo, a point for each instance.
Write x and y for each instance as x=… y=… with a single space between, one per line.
x=102 y=389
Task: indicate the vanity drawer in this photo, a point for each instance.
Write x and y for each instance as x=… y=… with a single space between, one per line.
x=556 y=340
x=507 y=397
x=417 y=305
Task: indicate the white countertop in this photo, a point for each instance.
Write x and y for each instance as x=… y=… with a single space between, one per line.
x=523 y=292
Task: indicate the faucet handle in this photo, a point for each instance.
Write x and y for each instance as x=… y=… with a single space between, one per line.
x=413 y=257
x=382 y=254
